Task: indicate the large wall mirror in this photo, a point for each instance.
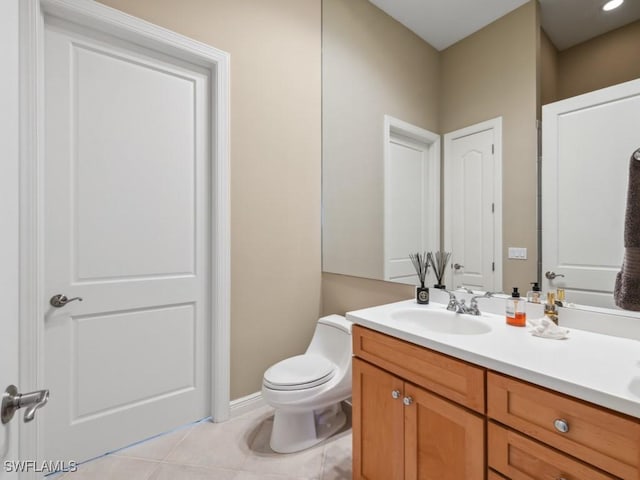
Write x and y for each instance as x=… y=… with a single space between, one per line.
x=375 y=68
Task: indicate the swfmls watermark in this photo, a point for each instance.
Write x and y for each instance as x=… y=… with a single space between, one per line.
x=45 y=466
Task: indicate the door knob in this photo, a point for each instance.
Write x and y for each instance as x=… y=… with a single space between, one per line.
x=551 y=275
x=395 y=394
x=12 y=401
x=457 y=266
x=60 y=300
x=407 y=401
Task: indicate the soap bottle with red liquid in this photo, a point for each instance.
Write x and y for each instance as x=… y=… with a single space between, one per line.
x=516 y=309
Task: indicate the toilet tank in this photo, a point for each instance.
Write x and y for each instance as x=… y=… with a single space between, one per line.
x=332 y=339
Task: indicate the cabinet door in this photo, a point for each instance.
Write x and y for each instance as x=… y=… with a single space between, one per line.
x=442 y=440
x=378 y=431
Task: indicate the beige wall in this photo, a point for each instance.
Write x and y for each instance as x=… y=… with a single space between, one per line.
x=601 y=62
x=275 y=167
x=548 y=70
x=372 y=66
x=489 y=74
x=343 y=293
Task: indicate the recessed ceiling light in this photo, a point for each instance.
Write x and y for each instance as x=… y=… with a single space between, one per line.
x=611 y=5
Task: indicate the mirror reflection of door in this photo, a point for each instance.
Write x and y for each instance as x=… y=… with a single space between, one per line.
x=587 y=143
x=411 y=197
x=473 y=225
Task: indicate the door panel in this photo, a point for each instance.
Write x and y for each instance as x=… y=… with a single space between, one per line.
x=471 y=223
x=443 y=441
x=587 y=143
x=9 y=233
x=378 y=427
x=125 y=228
x=411 y=200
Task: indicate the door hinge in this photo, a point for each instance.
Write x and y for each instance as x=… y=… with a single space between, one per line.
x=493 y=208
x=493 y=266
x=493 y=148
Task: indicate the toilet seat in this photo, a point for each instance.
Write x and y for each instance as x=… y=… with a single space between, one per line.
x=299 y=373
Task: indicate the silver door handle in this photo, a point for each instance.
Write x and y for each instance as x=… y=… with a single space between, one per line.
x=457 y=266
x=551 y=275
x=60 y=300
x=12 y=401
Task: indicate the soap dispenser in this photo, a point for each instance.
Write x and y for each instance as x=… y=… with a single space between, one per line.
x=515 y=309
x=550 y=310
x=535 y=294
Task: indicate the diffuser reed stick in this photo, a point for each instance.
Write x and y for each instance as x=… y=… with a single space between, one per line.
x=439 y=262
x=421 y=264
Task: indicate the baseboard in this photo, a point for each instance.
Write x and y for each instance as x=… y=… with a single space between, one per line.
x=245 y=404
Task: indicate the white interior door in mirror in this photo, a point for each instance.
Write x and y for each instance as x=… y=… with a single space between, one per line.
x=10 y=231
x=473 y=222
x=411 y=197
x=126 y=228
x=587 y=143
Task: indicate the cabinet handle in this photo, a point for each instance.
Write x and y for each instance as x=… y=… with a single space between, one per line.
x=395 y=394
x=561 y=425
x=407 y=401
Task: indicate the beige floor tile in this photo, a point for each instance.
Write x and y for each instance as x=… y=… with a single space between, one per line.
x=113 y=467
x=234 y=450
x=221 y=445
x=156 y=448
x=261 y=476
x=183 y=472
x=337 y=461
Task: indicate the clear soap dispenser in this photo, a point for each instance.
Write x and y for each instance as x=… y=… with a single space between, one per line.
x=535 y=294
x=515 y=309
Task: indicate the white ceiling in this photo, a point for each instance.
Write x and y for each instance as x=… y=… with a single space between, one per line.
x=569 y=22
x=442 y=23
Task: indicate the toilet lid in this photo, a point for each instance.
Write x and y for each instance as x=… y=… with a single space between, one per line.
x=299 y=372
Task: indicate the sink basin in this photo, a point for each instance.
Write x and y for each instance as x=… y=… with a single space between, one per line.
x=634 y=386
x=441 y=321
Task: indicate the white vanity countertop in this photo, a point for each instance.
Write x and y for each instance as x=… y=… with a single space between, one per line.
x=601 y=369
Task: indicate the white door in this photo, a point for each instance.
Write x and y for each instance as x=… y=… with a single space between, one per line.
x=587 y=143
x=411 y=196
x=9 y=253
x=126 y=229
x=473 y=231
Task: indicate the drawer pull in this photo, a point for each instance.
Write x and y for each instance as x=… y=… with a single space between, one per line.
x=562 y=426
x=395 y=394
x=407 y=401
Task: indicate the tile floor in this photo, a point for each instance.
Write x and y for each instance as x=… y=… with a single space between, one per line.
x=234 y=450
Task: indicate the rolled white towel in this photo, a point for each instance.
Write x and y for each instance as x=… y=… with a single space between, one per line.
x=545 y=328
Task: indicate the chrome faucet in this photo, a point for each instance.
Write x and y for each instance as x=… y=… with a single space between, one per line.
x=459 y=306
x=456 y=305
x=473 y=307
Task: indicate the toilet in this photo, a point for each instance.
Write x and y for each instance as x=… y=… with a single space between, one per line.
x=306 y=391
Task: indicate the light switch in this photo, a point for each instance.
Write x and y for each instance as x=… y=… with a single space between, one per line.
x=518 y=253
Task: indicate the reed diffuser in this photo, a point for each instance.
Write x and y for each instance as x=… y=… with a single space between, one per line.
x=421 y=264
x=439 y=262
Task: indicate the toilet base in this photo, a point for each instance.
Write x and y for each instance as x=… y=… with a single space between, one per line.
x=295 y=431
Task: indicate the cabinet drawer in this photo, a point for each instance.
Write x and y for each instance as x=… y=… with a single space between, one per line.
x=519 y=457
x=454 y=379
x=608 y=440
x=491 y=475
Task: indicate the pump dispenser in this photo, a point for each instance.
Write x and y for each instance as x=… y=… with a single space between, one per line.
x=535 y=294
x=515 y=309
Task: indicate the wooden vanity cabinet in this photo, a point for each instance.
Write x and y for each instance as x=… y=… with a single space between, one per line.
x=420 y=414
x=607 y=440
x=404 y=431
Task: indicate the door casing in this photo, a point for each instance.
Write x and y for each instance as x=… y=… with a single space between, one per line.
x=96 y=16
